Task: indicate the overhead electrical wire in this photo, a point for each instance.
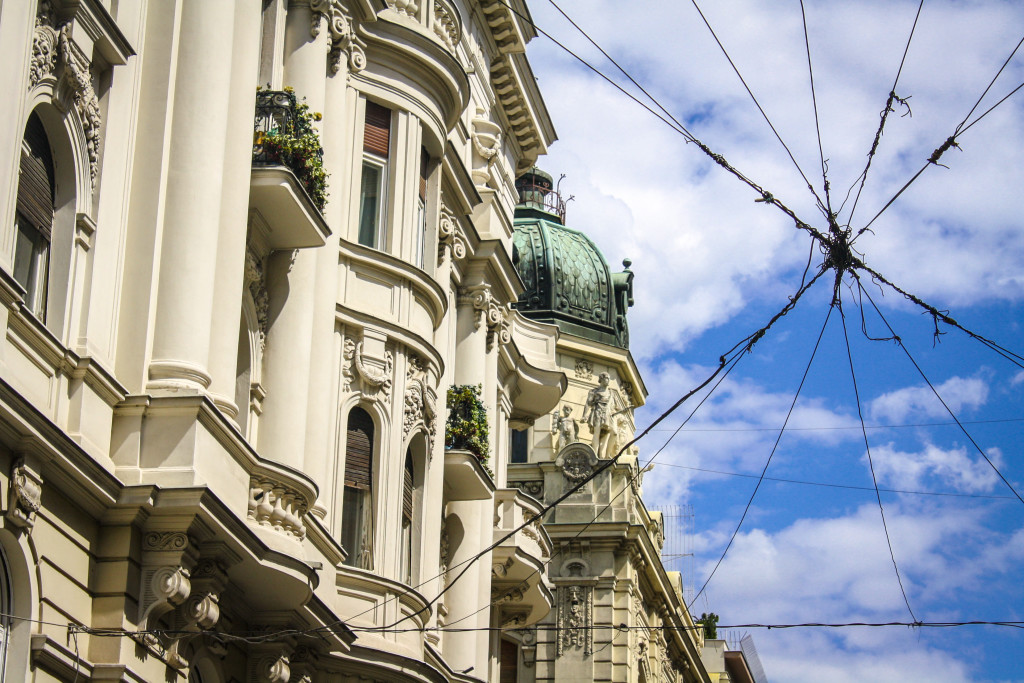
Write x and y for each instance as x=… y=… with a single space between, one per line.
x=951 y=141
x=906 y=351
x=817 y=122
x=886 y=110
x=837 y=486
x=871 y=462
x=768 y=462
x=810 y=186
x=732 y=363
x=841 y=429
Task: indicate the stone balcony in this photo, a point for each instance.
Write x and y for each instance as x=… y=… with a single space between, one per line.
x=279 y=191
x=518 y=588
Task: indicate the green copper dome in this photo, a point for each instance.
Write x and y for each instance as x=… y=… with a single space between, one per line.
x=567 y=280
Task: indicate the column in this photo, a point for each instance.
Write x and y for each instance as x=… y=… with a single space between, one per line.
x=192 y=202
x=234 y=216
x=325 y=351
x=291 y=277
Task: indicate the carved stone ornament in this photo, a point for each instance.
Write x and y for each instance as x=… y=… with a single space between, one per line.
x=55 y=55
x=584 y=369
x=529 y=646
x=446 y=24
x=577 y=461
x=445 y=552
x=44 y=44
x=420 y=403
x=255 y=279
x=479 y=297
x=372 y=380
x=344 y=41
x=409 y=8
x=274 y=670
x=575 y=618
x=24 y=497
x=165 y=540
x=534 y=488
x=450 y=236
x=486 y=138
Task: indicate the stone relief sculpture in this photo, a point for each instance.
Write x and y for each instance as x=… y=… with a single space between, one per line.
x=575 y=616
x=595 y=412
x=564 y=429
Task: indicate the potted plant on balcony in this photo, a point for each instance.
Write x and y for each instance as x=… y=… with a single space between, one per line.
x=284 y=134
x=466 y=428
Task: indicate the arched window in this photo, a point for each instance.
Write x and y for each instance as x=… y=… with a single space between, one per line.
x=357 y=501
x=34 y=216
x=408 y=486
x=5 y=612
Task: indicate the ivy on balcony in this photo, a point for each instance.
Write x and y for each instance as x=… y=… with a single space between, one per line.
x=284 y=135
x=467 y=421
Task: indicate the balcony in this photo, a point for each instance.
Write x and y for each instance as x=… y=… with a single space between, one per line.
x=517 y=577
x=288 y=189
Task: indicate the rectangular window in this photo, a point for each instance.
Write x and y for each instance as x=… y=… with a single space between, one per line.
x=31 y=265
x=373 y=190
x=419 y=257
x=520 y=451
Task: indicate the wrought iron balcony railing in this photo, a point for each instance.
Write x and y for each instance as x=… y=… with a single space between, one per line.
x=284 y=135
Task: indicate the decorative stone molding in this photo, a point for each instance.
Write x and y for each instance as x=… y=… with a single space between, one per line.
x=57 y=57
x=502 y=21
x=446 y=24
x=276 y=506
x=499 y=570
x=450 y=236
x=528 y=649
x=499 y=329
x=44 y=44
x=343 y=40
x=445 y=552
x=575 y=618
x=479 y=297
x=420 y=403
x=577 y=461
x=271 y=669
x=584 y=369
x=78 y=79
x=508 y=594
x=372 y=380
x=408 y=8
x=24 y=496
x=533 y=532
x=514 y=101
x=535 y=488
x=165 y=540
x=255 y=280
x=487 y=139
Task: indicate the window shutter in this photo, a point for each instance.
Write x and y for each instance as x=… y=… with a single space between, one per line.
x=35 y=185
x=424 y=162
x=377 y=131
x=359 y=450
x=407 y=487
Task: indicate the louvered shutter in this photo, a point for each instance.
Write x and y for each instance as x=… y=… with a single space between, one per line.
x=359 y=450
x=424 y=162
x=377 y=131
x=407 y=485
x=35 y=185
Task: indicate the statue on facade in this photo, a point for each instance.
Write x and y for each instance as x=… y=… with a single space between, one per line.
x=595 y=412
x=565 y=429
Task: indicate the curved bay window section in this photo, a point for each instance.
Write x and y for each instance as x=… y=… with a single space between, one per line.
x=374 y=184
x=34 y=217
x=357 y=499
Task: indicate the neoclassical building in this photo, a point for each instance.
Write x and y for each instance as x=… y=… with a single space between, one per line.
x=274 y=397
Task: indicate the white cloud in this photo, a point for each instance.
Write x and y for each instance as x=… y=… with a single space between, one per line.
x=959 y=393
x=701 y=248
x=838 y=569
x=953 y=467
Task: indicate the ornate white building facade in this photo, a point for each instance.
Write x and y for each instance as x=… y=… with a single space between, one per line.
x=223 y=385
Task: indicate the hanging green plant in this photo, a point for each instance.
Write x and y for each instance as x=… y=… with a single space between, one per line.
x=285 y=135
x=467 y=421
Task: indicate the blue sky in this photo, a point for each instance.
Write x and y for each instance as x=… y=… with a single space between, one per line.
x=712 y=266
